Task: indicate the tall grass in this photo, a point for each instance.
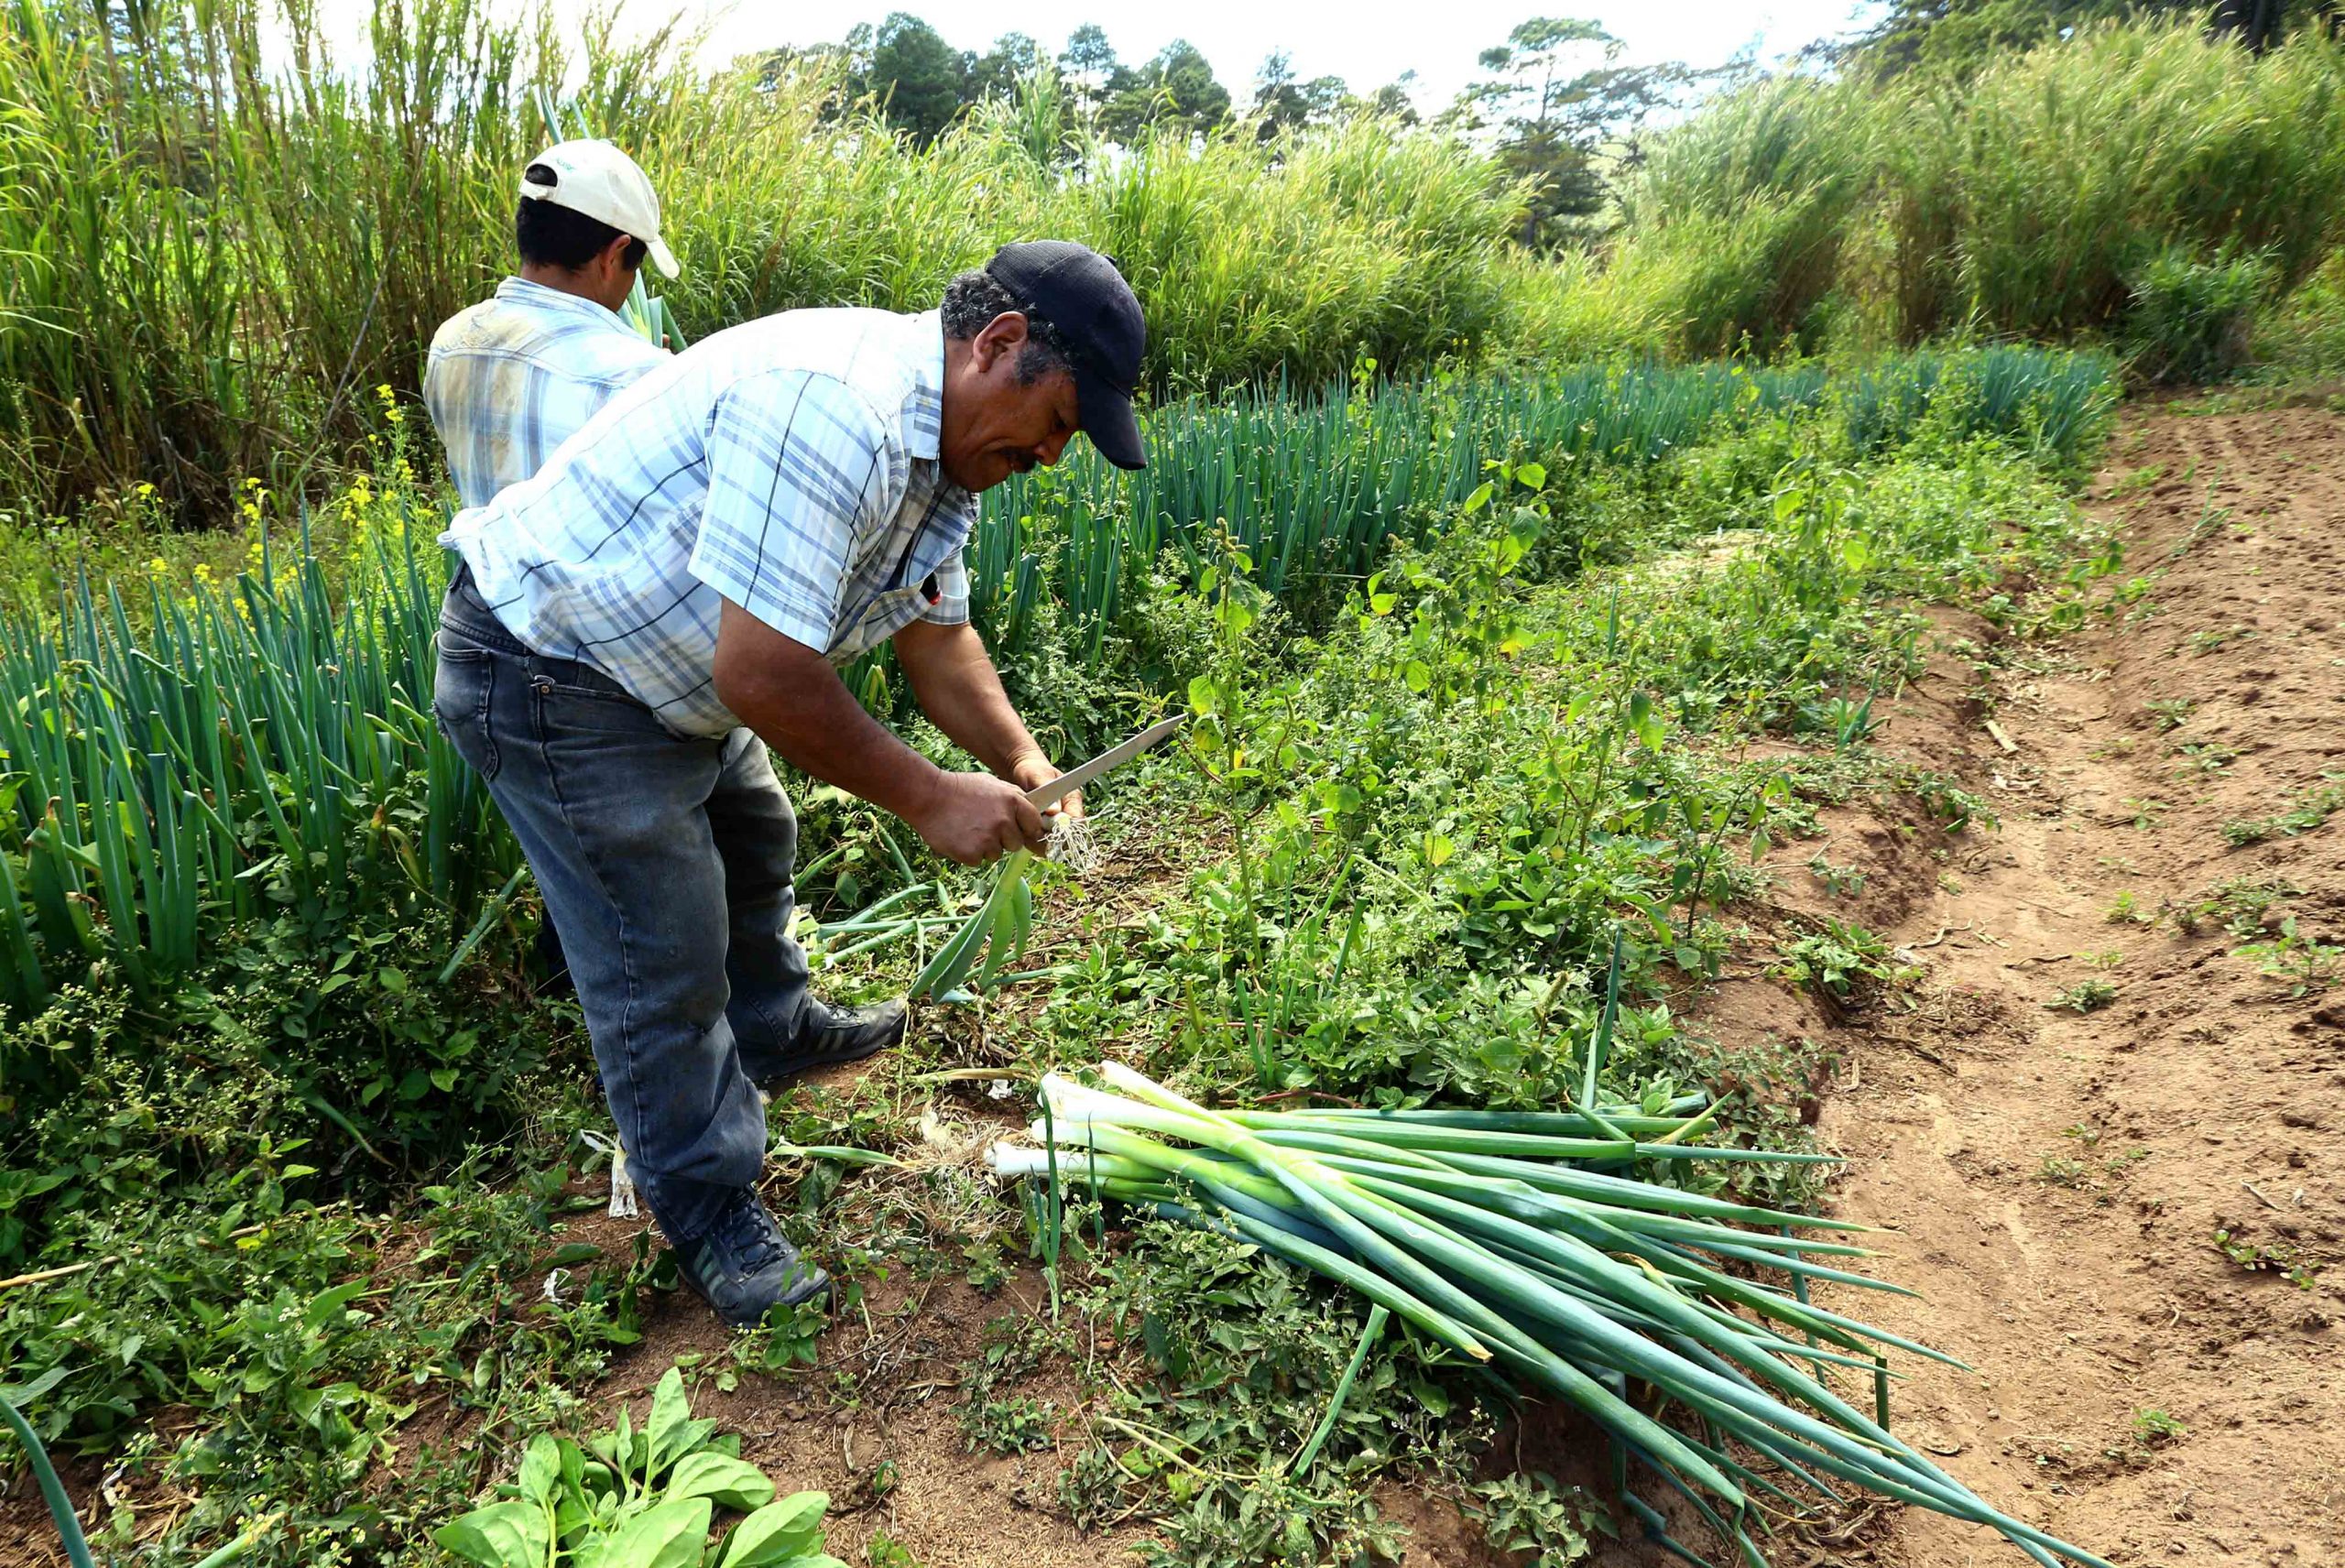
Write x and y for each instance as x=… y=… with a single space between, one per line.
x=2028 y=196
x=2016 y=202
x=1741 y=216
x=207 y=263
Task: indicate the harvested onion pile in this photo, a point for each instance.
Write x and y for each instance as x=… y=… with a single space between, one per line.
x=1498 y=1234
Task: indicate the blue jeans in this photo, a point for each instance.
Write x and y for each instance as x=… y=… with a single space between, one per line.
x=665 y=862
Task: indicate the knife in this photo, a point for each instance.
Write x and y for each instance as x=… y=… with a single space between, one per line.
x=1075 y=779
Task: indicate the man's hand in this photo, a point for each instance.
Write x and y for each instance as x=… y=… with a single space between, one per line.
x=957 y=688
x=1034 y=770
x=974 y=816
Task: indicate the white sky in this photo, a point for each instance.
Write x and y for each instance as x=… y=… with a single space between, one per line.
x=1367 y=44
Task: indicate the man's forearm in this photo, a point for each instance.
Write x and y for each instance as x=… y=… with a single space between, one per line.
x=794 y=702
x=789 y=694
x=822 y=730
x=961 y=693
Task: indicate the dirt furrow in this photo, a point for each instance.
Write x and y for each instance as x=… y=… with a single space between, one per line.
x=2110 y=1141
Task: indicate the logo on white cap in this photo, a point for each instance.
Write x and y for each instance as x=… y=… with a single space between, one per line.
x=598 y=179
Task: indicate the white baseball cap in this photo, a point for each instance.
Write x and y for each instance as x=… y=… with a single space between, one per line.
x=598 y=179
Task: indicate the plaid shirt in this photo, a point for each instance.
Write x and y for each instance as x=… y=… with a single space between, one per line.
x=788 y=464
x=513 y=376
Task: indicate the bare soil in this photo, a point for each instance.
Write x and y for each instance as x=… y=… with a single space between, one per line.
x=2056 y=1180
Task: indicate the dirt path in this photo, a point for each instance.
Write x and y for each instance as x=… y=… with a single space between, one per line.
x=2059 y=1178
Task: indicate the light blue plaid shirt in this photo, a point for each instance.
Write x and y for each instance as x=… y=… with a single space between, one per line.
x=513 y=378
x=788 y=464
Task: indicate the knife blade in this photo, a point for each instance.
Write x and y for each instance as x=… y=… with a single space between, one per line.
x=1075 y=779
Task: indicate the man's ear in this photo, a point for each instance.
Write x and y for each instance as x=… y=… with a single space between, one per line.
x=615 y=252
x=1005 y=334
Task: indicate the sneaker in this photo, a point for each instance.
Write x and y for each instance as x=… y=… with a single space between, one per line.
x=743 y=1267
x=831 y=1035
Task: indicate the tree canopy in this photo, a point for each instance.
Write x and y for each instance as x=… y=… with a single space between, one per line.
x=1568 y=114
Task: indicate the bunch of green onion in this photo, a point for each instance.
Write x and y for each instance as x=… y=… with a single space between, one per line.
x=995 y=933
x=1525 y=1240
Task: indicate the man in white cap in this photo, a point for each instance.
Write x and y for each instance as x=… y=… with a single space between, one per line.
x=511 y=378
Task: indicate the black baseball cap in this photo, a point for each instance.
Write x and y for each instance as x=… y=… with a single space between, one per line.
x=1080 y=292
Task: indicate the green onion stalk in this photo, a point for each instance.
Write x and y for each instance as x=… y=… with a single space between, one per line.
x=995 y=933
x=1528 y=1241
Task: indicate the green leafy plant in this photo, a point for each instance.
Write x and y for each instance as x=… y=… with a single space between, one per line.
x=884 y=1550
x=1840 y=881
x=2206 y=758
x=640 y=1497
x=2310 y=810
x=2084 y=997
x=1543 y=1524
x=2305 y=963
x=1836 y=959
x=2059 y=1171
x=1015 y=1424
x=2153 y=1427
x=787 y=1337
x=2240 y=902
x=2284 y=1258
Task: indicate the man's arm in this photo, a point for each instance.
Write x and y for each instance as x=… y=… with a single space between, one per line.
x=789 y=694
x=958 y=687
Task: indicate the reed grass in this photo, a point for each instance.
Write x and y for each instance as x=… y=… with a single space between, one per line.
x=2014 y=201
x=208 y=262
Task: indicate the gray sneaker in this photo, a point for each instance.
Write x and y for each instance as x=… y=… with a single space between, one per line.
x=743 y=1267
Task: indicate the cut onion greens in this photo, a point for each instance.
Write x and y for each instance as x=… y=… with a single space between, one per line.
x=997 y=933
x=1493 y=1234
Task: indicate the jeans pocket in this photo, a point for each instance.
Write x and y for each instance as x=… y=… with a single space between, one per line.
x=462 y=688
x=563 y=706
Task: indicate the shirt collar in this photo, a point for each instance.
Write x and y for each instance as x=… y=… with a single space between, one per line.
x=923 y=413
x=521 y=291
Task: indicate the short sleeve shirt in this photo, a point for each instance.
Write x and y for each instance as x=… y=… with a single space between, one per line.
x=511 y=378
x=789 y=464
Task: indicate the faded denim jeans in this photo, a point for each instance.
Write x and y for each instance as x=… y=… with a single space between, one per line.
x=665 y=861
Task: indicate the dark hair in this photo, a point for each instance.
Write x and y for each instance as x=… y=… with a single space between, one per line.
x=974 y=299
x=549 y=235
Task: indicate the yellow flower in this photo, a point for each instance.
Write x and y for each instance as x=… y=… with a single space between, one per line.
x=145 y=492
x=158 y=566
x=203 y=573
